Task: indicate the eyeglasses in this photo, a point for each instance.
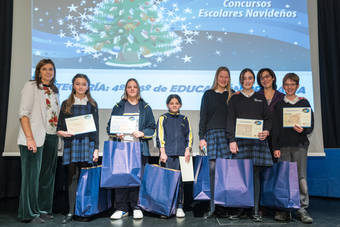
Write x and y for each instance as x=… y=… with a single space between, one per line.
x=289 y=85
x=265 y=77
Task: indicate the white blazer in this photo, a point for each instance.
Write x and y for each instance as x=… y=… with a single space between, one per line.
x=33 y=106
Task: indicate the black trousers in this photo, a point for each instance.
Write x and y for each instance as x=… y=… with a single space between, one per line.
x=126 y=198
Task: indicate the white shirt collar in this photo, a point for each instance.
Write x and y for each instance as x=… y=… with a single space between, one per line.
x=291 y=101
x=78 y=101
x=246 y=94
x=219 y=92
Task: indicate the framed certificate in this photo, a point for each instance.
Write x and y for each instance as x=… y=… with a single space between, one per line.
x=125 y=124
x=301 y=116
x=80 y=124
x=248 y=128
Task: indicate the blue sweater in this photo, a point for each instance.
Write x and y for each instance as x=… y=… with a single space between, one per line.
x=174 y=134
x=146 y=122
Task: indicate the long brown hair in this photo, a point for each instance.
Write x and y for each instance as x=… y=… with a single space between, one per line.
x=70 y=100
x=37 y=77
x=214 y=86
x=125 y=96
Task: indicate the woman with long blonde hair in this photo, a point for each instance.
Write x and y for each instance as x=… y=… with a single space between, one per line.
x=213 y=124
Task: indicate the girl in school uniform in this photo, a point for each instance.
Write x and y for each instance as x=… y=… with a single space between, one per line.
x=79 y=150
x=174 y=139
x=213 y=124
x=133 y=104
x=248 y=104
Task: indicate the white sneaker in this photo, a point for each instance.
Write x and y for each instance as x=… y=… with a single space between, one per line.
x=137 y=214
x=180 y=213
x=118 y=214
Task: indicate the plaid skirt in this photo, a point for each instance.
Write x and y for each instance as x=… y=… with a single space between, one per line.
x=78 y=150
x=217 y=144
x=254 y=149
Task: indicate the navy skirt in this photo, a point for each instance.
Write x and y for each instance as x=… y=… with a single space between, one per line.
x=254 y=149
x=217 y=144
x=80 y=150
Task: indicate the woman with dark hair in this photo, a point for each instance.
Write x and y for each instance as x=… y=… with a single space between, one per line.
x=38 y=143
x=266 y=79
x=250 y=105
x=213 y=124
x=79 y=150
x=133 y=104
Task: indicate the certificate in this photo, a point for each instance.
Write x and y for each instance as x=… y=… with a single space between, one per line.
x=301 y=116
x=248 y=128
x=124 y=124
x=80 y=124
x=187 y=169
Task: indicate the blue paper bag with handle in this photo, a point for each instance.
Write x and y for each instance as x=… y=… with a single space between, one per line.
x=280 y=186
x=121 y=165
x=201 y=186
x=90 y=198
x=234 y=185
x=158 y=192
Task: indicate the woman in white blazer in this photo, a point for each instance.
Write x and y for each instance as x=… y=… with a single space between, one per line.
x=38 y=144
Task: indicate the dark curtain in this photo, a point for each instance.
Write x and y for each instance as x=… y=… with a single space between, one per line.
x=6 y=15
x=329 y=59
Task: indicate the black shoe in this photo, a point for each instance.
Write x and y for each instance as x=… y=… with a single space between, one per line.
x=67 y=218
x=37 y=220
x=237 y=215
x=46 y=217
x=209 y=215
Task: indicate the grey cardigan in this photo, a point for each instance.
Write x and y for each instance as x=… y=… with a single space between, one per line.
x=33 y=106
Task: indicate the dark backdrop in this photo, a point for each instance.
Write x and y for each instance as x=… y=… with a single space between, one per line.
x=6 y=15
x=329 y=60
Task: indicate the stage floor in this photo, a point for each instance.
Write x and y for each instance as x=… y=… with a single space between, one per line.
x=325 y=211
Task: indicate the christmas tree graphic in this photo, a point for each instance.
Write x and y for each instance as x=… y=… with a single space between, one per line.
x=130 y=31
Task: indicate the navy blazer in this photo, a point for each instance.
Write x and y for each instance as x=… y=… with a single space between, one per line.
x=146 y=122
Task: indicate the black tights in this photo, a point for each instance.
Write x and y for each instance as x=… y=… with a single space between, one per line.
x=257 y=188
x=72 y=183
x=212 y=165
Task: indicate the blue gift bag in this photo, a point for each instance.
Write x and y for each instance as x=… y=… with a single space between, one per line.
x=121 y=165
x=234 y=185
x=201 y=186
x=159 y=190
x=280 y=186
x=90 y=198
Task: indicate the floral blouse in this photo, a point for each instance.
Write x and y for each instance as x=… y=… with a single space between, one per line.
x=51 y=110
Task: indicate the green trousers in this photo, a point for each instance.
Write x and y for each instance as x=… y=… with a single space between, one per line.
x=37 y=179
